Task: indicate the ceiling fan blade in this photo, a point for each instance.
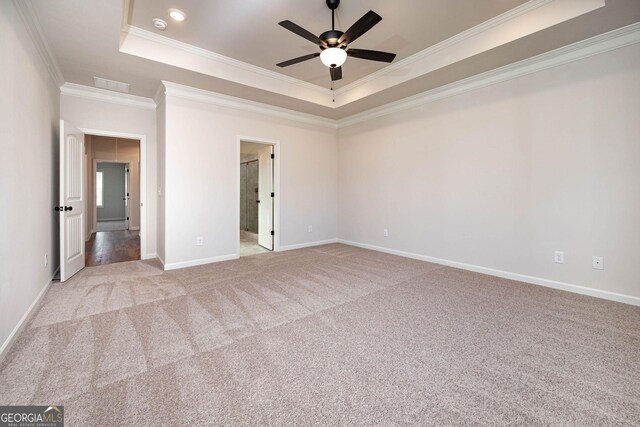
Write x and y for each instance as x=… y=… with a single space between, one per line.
x=372 y=55
x=297 y=29
x=336 y=73
x=361 y=26
x=298 y=59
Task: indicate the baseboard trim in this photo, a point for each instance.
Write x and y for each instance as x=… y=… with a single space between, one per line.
x=150 y=256
x=195 y=262
x=577 y=289
x=161 y=261
x=307 y=245
x=110 y=219
x=6 y=346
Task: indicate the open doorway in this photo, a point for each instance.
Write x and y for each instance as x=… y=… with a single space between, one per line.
x=257 y=196
x=113 y=200
x=112 y=196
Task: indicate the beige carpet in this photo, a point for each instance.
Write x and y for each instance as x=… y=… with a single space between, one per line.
x=333 y=335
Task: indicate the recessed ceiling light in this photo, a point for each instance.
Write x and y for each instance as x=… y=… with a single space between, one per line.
x=177 y=15
x=159 y=24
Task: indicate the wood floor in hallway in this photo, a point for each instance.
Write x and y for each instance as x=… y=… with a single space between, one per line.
x=108 y=247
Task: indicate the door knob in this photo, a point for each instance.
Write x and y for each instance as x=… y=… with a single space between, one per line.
x=58 y=208
x=68 y=208
x=257 y=201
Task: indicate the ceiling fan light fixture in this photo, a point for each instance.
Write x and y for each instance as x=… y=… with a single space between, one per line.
x=177 y=15
x=333 y=57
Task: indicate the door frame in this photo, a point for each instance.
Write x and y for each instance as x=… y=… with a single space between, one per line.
x=143 y=180
x=276 y=187
x=127 y=206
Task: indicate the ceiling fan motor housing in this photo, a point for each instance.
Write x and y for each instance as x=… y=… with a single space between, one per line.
x=331 y=38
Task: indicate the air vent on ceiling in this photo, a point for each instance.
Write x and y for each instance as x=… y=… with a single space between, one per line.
x=111 y=85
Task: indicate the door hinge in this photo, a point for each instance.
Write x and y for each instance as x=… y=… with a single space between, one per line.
x=273 y=156
x=272 y=232
x=273 y=194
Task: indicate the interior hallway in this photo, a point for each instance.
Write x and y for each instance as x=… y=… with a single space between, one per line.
x=108 y=247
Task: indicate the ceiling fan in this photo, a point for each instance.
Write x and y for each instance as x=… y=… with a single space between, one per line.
x=334 y=44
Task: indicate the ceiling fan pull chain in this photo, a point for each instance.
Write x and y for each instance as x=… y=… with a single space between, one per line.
x=333 y=94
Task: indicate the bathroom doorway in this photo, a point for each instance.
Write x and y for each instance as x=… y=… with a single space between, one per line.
x=256 y=198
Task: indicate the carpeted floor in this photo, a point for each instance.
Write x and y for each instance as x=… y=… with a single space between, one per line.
x=333 y=335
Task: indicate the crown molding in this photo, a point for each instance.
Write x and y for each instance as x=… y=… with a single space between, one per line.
x=606 y=42
x=151 y=36
x=583 y=49
x=201 y=95
x=527 y=18
x=97 y=94
x=471 y=32
x=147 y=44
x=30 y=20
x=158 y=97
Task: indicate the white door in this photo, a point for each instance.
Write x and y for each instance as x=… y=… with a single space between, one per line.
x=265 y=195
x=126 y=196
x=71 y=206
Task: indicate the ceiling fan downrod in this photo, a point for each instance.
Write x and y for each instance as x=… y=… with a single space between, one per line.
x=333 y=5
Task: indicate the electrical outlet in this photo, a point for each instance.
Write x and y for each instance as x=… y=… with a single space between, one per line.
x=558 y=257
x=598 y=263
x=46 y=260
x=385 y=232
x=310 y=228
x=199 y=241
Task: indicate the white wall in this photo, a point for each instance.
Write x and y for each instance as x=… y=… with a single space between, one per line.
x=503 y=176
x=29 y=122
x=202 y=178
x=106 y=116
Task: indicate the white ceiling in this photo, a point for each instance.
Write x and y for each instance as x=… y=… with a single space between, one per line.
x=87 y=40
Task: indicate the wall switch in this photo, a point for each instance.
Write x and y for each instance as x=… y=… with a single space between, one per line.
x=385 y=232
x=199 y=241
x=558 y=257
x=310 y=228
x=598 y=263
x=46 y=260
